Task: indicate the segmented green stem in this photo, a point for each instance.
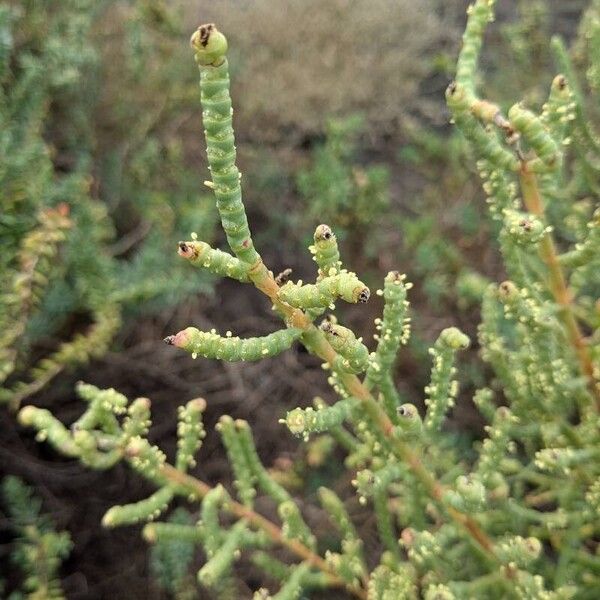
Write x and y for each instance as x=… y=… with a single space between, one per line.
x=536 y=135
x=210 y=50
x=200 y=254
x=210 y=54
x=394 y=330
x=486 y=142
x=353 y=354
x=210 y=344
x=146 y=509
x=480 y=14
x=302 y=421
x=442 y=389
x=322 y=294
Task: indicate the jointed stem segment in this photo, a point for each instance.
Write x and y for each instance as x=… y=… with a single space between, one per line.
x=558 y=285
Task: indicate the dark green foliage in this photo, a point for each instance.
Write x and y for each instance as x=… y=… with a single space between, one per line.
x=171 y=560
x=512 y=517
x=339 y=191
x=38 y=550
x=65 y=266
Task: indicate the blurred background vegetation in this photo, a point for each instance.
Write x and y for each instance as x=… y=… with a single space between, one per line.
x=340 y=118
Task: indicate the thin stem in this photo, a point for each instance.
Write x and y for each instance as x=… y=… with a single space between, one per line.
x=558 y=285
x=200 y=488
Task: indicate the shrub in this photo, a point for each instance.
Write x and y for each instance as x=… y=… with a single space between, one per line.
x=66 y=273
x=514 y=518
x=315 y=60
x=38 y=550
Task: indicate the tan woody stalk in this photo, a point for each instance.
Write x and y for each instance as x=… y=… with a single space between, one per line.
x=557 y=282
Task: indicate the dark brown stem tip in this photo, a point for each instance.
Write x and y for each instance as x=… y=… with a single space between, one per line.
x=323 y=233
x=169 y=340
x=283 y=276
x=209 y=44
x=327 y=327
x=187 y=250
x=364 y=295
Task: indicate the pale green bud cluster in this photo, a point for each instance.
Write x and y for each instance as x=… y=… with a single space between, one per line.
x=422 y=546
x=468 y=495
x=439 y=592
x=562 y=460
x=518 y=550
x=523 y=228
x=442 y=390
x=386 y=584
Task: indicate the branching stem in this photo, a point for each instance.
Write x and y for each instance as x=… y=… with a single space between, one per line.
x=558 y=285
x=264 y=281
x=199 y=488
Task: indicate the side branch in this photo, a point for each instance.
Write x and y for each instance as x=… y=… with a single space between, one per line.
x=199 y=488
x=264 y=281
x=558 y=285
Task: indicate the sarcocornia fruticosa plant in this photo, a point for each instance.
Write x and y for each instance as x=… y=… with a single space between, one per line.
x=519 y=516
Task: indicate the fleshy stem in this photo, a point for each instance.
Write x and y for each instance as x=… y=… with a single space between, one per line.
x=200 y=488
x=210 y=48
x=558 y=285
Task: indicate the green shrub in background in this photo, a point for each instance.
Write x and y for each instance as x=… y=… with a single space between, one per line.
x=66 y=272
x=516 y=517
x=337 y=190
x=312 y=67
x=39 y=550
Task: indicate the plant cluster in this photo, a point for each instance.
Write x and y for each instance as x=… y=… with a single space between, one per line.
x=38 y=550
x=66 y=273
x=517 y=517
